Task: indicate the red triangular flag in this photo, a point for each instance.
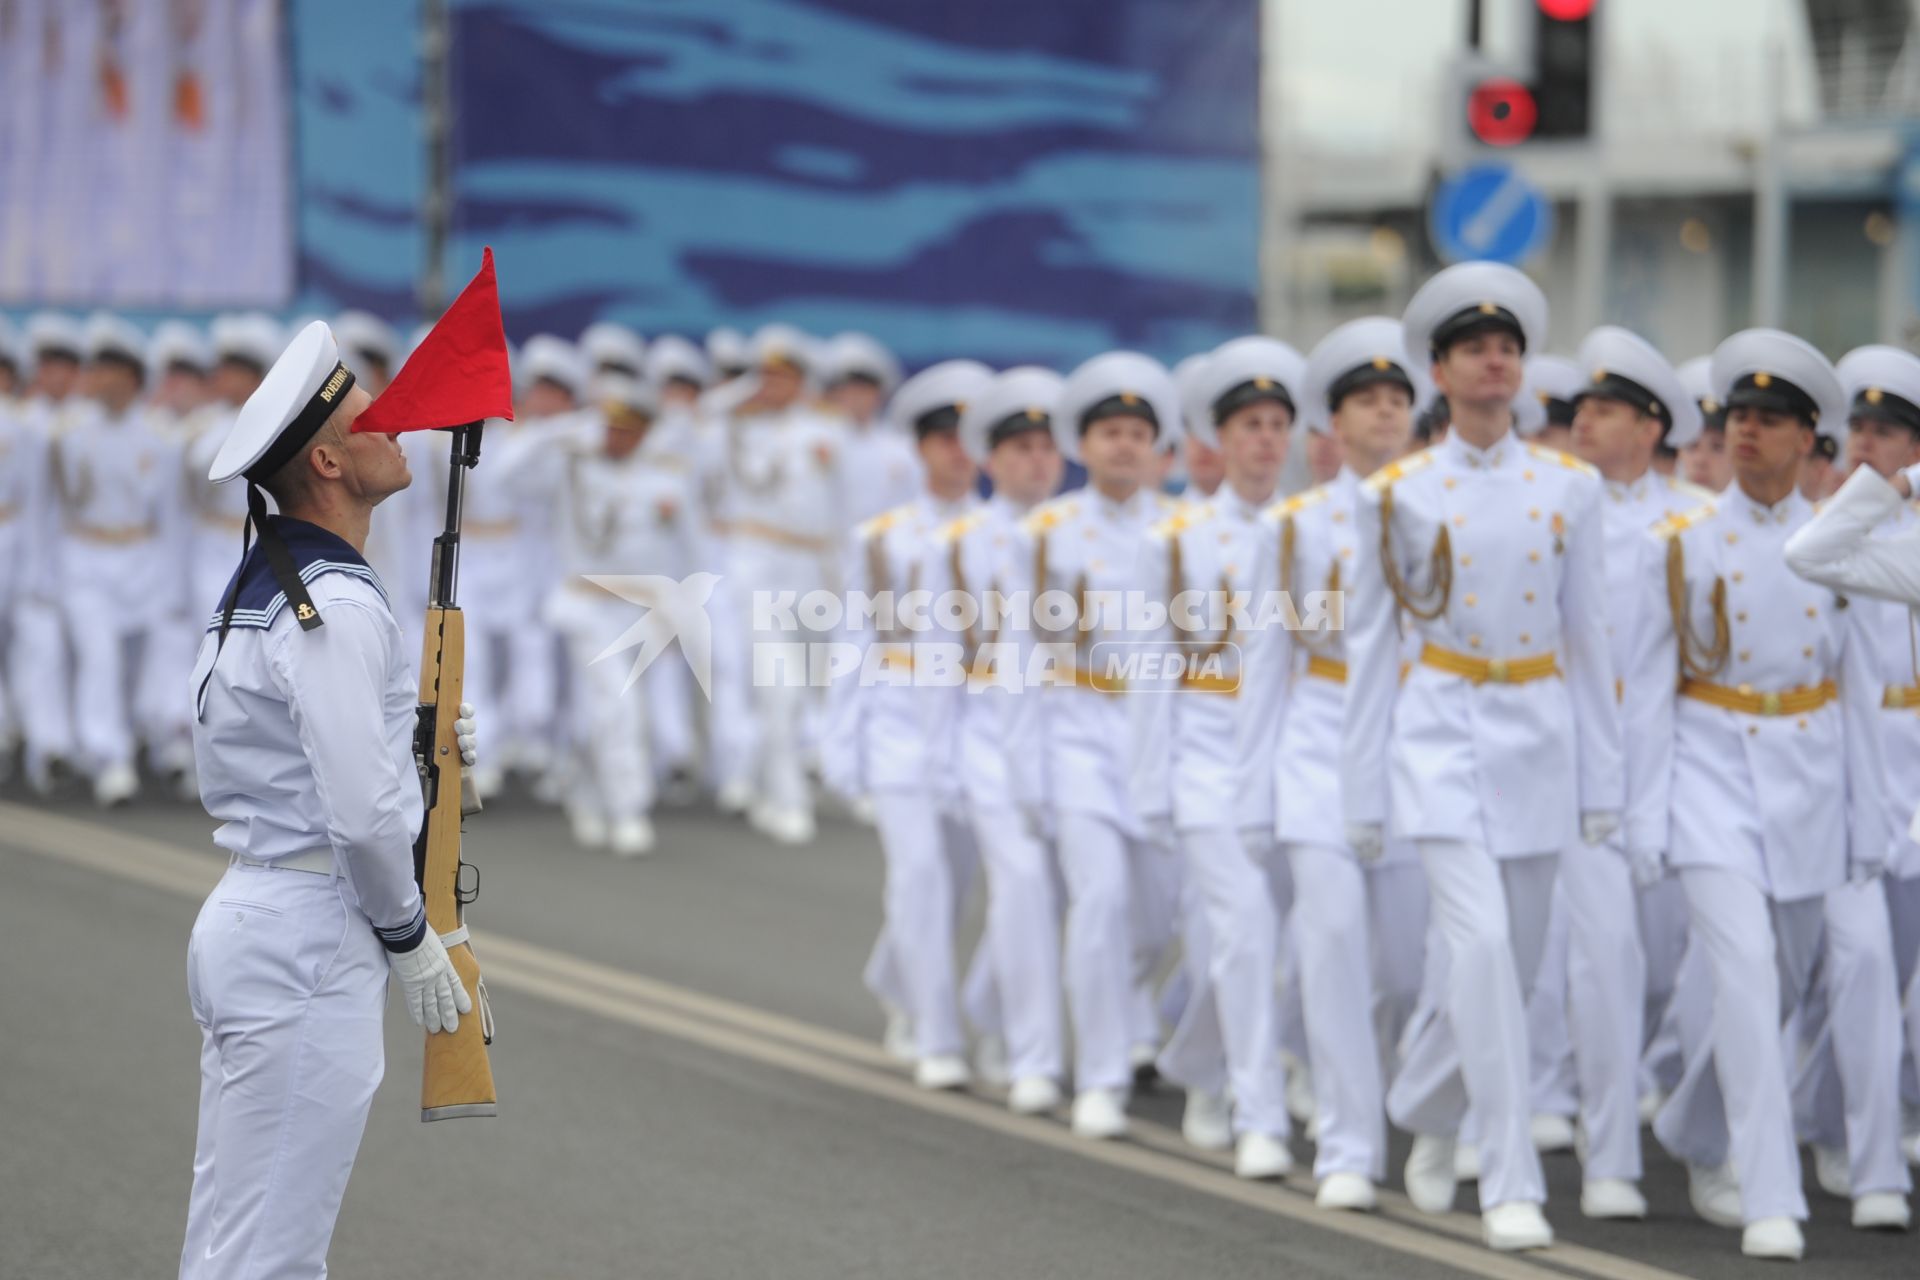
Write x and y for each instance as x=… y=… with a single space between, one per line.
x=457 y=375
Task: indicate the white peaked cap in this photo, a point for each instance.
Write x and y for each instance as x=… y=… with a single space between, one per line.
x=1028 y=392
x=1140 y=382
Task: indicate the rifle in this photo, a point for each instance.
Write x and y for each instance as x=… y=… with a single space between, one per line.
x=458 y=1078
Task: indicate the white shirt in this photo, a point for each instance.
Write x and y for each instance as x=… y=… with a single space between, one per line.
x=304 y=739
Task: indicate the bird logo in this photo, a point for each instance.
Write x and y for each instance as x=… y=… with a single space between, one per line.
x=674 y=609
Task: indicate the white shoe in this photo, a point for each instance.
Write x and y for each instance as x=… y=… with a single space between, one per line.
x=942 y=1071
x=1516 y=1225
x=589 y=828
x=1773 y=1238
x=1429 y=1173
x=1881 y=1211
x=1466 y=1162
x=1099 y=1113
x=1612 y=1198
x=898 y=1040
x=1207 y=1122
x=1261 y=1156
x=784 y=826
x=1715 y=1194
x=1833 y=1171
x=116 y=785
x=734 y=797
x=990 y=1061
x=1347 y=1191
x=1551 y=1133
x=1300 y=1101
x=631 y=838
x=1033 y=1096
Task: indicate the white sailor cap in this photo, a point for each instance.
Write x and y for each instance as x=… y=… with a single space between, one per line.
x=1546 y=394
x=300 y=392
x=1696 y=379
x=671 y=357
x=545 y=358
x=111 y=338
x=1621 y=365
x=855 y=355
x=727 y=348
x=1239 y=373
x=615 y=347
x=51 y=334
x=1358 y=354
x=1771 y=370
x=619 y=391
x=1186 y=379
x=781 y=344
x=363 y=334
x=1116 y=383
x=175 y=343
x=1882 y=383
x=1470 y=298
x=935 y=398
x=1015 y=402
x=250 y=338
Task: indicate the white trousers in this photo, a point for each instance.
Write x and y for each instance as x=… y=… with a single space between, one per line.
x=609 y=729
x=1108 y=951
x=1847 y=1089
x=1023 y=940
x=102 y=692
x=1903 y=904
x=1358 y=935
x=289 y=986
x=669 y=685
x=1593 y=979
x=1229 y=1030
x=510 y=678
x=1732 y=1100
x=1663 y=940
x=42 y=680
x=732 y=730
x=1468 y=1039
x=928 y=857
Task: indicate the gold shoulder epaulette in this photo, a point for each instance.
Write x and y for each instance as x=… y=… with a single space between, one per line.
x=884 y=521
x=1294 y=505
x=1677 y=524
x=954 y=530
x=1687 y=489
x=1564 y=458
x=1398 y=470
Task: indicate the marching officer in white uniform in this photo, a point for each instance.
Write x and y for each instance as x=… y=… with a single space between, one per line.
x=1115 y=414
x=1757 y=781
x=1502 y=748
x=857 y=375
x=305 y=711
x=1358 y=926
x=877 y=752
x=1007 y=430
x=1202 y=772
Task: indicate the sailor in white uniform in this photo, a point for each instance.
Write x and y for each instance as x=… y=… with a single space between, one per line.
x=305 y=711
x=857 y=375
x=1757 y=781
x=1502 y=747
x=1115 y=414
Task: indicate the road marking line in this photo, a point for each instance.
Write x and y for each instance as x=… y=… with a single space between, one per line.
x=837 y=1058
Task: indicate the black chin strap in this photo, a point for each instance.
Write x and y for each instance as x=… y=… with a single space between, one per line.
x=286 y=576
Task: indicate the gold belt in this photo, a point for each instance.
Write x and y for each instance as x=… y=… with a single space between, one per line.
x=1203 y=682
x=1750 y=701
x=779 y=537
x=491 y=528
x=1901 y=698
x=1539 y=666
x=112 y=535
x=1084 y=679
x=1326 y=668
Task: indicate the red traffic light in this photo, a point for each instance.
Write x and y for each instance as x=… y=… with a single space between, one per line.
x=1568 y=10
x=1501 y=112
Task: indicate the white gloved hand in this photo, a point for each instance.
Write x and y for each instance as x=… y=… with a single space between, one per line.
x=435 y=995
x=463 y=733
x=1597 y=824
x=1368 y=840
x=1648 y=867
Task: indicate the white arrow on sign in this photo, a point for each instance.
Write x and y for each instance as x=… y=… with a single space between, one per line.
x=1507 y=199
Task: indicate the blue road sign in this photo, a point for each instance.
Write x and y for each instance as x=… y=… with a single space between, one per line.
x=1489 y=213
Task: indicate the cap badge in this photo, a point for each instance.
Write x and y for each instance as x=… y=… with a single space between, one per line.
x=1763 y=380
x=1875 y=395
x=1382 y=363
x=1709 y=405
x=1599 y=375
x=1488 y=308
x=1263 y=384
x=1129 y=398
x=1036 y=414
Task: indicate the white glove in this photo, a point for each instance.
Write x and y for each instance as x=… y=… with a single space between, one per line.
x=1597 y=824
x=435 y=995
x=1864 y=871
x=463 y=733
x=1368 y=840
x=1648 y=867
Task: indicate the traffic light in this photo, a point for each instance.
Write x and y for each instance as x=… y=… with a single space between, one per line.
x=1563 y=49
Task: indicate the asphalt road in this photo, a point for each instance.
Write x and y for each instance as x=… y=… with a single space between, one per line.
x=691 y=1087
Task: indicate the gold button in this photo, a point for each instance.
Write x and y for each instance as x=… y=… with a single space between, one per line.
x=1230 y=571
x=1752 y=729
x=1472 y=600
x=1533 y=513
x=1473 y=642
x=1732 y=538
x=1529 y=597
x=1807 y=652
x=1740 y=616
x=1738 y=576
x=1466 y=561
x=1801 y=723
x=1525 y=638
x=1458 y=521
x=1533 y=556
x=1449 y=482
x=1097 y=565
x=1812 y=612
x=1527 y=476
x=1746 y=655
x=1346 y=553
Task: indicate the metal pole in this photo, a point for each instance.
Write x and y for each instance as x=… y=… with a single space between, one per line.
x=436 y=115
x=1770 y=207
x=1473 y=24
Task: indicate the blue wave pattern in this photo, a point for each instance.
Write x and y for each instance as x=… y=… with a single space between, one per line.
x=999 y=178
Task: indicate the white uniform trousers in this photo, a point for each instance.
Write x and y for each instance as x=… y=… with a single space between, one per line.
x=928 y=858
x=1903 y=905
x=670 y=713
x=1663 y=940
x=1602 y=1005
x=1847 y=1089
x=42 y=680
x=732 y=737
x=1103 y=869
x=1230 y=1026
x=511 y=664
x=610 y=730
x=1159 y=909
x=1733 y=1098
x=102 y=696
x=1468 y=1039
x=1359 y=978
x=1022 y=940
x=289 y=984
x=1555 y=1082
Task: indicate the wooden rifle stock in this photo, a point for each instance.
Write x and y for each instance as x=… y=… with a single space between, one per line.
x=457 y=1079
